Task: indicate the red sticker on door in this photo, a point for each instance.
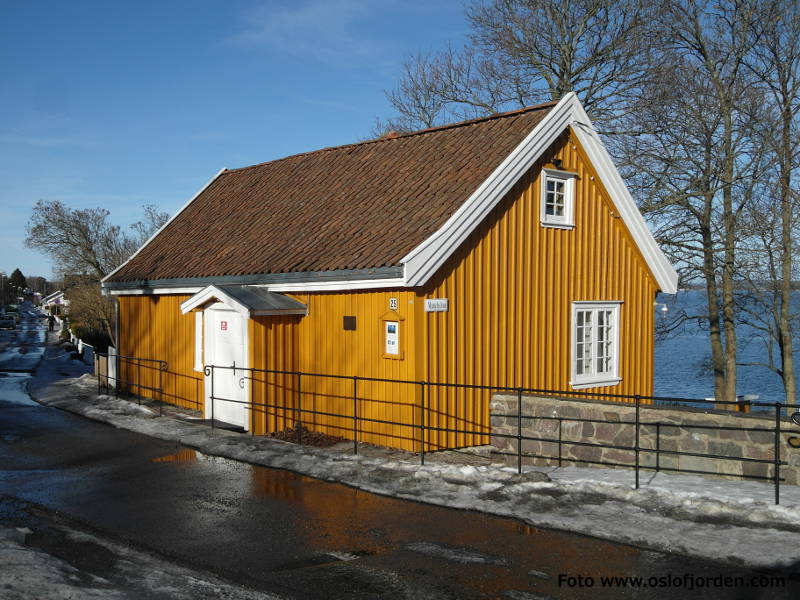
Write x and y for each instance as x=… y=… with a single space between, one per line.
x=223 y=326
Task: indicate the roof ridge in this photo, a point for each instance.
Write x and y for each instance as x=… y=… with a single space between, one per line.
x=510 y=113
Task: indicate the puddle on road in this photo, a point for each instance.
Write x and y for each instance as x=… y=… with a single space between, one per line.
x=183 y=456
x=485 y=553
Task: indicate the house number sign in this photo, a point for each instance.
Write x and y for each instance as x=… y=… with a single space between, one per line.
x=436 y=305
x=223 y=326
x=392 y=303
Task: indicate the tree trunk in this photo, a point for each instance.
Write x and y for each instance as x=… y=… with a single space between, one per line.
x=728 y=265
x=787 y=252
x=712 y=299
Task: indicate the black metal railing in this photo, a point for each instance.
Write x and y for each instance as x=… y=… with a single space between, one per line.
x=128 y=378
x=425 y=426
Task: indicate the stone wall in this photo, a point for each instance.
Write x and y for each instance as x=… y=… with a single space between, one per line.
x=662 y=428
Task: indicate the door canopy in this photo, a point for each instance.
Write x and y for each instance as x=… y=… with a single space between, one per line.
x=248 y=300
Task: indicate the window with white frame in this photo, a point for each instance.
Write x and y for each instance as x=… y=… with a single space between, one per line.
x=557 y=198
x=595 y=343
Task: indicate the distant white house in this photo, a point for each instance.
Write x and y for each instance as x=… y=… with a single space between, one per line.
x=56 y=302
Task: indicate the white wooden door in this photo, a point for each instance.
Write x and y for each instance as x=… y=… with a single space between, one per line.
x=225 y=346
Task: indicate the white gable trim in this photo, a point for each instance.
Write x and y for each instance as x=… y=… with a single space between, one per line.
x=424 y=260
x=662 y=269
x=219 y=296
x=210 y=293
x=171 y=219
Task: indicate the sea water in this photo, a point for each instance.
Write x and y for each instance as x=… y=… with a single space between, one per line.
x=682 y=360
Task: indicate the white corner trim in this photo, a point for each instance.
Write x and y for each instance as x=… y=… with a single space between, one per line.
x=212 y=292
x=424 y=260
x=336 y=286
x=171 y=219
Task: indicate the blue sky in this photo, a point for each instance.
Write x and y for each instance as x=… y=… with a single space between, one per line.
x=120 y=104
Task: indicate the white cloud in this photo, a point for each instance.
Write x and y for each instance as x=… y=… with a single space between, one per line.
x=320 y=28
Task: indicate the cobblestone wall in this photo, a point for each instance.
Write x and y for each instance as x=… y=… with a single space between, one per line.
x=663 y=428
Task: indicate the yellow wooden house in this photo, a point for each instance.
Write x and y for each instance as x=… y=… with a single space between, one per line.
x=503 y=251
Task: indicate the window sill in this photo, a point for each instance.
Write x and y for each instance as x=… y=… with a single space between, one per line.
x=581 y=385
x=557 y=225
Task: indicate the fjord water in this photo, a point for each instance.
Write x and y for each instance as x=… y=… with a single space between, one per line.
x=682 y=361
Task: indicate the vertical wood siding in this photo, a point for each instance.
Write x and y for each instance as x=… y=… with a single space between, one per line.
x=511 y=288
x=153 y=327
x=273 y=347
x=322 y=345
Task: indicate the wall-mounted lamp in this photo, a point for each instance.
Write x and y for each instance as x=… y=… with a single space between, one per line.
x=557 y=162
x=661 y=307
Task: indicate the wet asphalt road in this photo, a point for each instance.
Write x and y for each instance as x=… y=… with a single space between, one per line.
x=21 y=348
x=300 y=537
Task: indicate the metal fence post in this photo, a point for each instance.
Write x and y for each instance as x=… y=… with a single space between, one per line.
x=519 y=430
x=139 y=385
x=658 y=447
x=355 y=414
x=160 y=391
x=212 y=397
x=560 y=421
x=299 y=424
x=422 y=423
x=636 y=444
x=777 y=468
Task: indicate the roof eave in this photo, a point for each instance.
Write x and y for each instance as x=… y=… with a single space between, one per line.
x=303 y=281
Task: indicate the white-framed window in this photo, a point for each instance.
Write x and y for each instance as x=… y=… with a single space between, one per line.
x=557 y=198
x=595 y=344
x=198 y=340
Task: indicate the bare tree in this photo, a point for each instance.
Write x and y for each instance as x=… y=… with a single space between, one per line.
x=152 y=222
x=525 y=52
x=78 y=241
x=761 y=300
x=84 y=243
x=775 y=63
x=91 y=313
x=696 y=164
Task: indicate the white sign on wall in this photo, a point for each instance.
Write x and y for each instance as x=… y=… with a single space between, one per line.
x=392 y=303
x=392 y=337
x=436 y=305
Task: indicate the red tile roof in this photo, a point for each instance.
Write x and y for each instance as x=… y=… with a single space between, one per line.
x=358 y=206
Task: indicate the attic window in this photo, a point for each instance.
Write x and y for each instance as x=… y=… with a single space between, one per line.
x=558 y=198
